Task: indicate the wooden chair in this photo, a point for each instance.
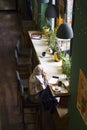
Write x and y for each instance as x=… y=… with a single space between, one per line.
x=29 y=108
x=23 y=64
x=23 y=51
x=24 y=86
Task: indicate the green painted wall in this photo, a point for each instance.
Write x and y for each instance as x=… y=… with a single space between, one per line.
x=79 y=60
x=42 y=9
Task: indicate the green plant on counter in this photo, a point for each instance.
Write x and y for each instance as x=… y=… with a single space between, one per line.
x=52 y=39
x=52 y=42
x=66 y=66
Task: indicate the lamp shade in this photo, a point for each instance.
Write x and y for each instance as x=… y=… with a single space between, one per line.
x=51 y=11
x=65 y=31
x=43 y=1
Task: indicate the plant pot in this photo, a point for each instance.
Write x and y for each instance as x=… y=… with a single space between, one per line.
x=46 y=31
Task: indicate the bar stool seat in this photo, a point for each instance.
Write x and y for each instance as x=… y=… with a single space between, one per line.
x=23 y=64
x=23 y=61
x=23 y=51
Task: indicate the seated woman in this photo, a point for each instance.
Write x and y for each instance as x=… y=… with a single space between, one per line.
x=39 y=89
x=37 y=81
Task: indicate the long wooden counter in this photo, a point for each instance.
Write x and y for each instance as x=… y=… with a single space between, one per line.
x=51 y=67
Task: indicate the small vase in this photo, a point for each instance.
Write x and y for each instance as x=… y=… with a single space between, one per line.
x=46 y=31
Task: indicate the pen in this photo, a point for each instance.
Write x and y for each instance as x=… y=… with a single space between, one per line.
x=55 y=77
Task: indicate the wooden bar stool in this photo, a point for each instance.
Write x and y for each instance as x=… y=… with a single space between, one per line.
x=23 y=51
x=29 y=108
x=23 y=64
x=24 y=81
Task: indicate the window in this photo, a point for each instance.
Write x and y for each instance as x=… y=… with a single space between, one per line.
x=65 y=9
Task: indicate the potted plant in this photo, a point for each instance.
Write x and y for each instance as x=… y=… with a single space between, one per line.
x=52 y=39
x=66 y=66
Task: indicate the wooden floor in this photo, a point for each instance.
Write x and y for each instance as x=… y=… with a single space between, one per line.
x=9 y=30
x=10 y=116
x=7 y=5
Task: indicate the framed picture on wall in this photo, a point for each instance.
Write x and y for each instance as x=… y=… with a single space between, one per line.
x=82 y=96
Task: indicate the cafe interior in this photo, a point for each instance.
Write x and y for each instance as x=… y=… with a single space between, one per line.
x=43 y=81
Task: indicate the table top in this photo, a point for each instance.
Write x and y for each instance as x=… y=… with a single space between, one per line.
x=51 y=67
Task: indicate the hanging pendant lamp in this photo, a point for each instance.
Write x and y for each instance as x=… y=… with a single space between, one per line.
x=51 y=11
x=43 y=1
x=65 y=31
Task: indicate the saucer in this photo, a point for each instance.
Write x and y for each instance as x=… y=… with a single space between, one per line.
x=56 y=88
